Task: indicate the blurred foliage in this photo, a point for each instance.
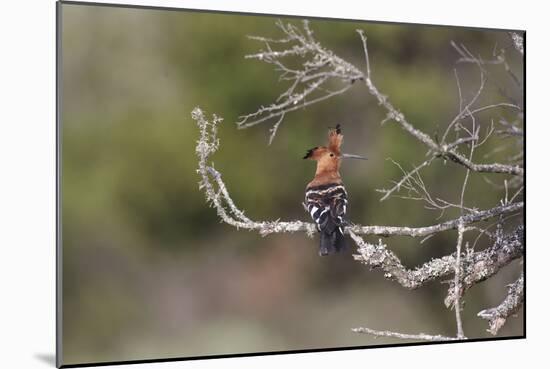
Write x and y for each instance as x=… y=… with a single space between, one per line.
x=149 y=271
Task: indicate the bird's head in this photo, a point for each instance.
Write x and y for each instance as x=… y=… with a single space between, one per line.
x=329 y=157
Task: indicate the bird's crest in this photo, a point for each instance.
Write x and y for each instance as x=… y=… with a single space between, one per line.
x=310 y=153
x=335 y=138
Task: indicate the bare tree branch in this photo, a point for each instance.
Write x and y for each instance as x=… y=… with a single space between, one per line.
x=498 y=315
x=316 y=74
x=458 y=282
x=476 y=269
x=219 y=197
x=518 y=41
x=501 y=253
x=406 y=336
x=322 y=66
x=404 y=179
x=478 y=216
x=318 y=71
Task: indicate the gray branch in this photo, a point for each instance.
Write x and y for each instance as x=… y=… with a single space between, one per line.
x=458 y=282
x=518 y=41
x=218 y=196
x=321 y=66
x=473 y=217
x=476 y=267
x=313 y=81
x=479 y=267
x=406 y=336
x=497 y=316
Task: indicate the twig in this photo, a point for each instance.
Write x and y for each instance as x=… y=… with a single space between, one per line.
x=459 y=329
x=365 y=50
x=420 y=336
x=406 y=177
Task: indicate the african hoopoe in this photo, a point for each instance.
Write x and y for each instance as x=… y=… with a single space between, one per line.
x=326 y=196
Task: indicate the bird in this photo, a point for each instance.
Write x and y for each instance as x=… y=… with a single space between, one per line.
x=326 y=198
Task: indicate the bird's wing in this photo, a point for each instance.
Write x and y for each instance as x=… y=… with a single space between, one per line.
x=327 y=206
x=338 y=206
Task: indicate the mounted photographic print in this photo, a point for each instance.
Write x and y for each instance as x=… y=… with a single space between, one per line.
x=240 y=184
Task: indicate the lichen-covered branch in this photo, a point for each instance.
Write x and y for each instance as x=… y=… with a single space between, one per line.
x=474 y=266
x=404 y=336
x=458 y=282
x=478 y=266
x=474 y=217
x=316 y=74
x=216 y=192
x=476 y=269
x=218 y=196
x=498 y=315
x=518 y=41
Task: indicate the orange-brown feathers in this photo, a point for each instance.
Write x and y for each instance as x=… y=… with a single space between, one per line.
x=328 y=159
x=335 y=138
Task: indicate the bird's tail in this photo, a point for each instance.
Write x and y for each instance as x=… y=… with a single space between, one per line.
x=332 y=242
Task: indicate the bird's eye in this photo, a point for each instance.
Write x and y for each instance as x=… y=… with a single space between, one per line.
x=331 y=155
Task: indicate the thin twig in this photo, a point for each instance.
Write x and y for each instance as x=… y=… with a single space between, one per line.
x=459 y=328
x=406 y=336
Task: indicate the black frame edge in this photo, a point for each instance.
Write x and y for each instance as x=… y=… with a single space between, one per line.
x=305 y=351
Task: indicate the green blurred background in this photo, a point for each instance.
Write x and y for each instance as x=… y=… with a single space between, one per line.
x=148 y=269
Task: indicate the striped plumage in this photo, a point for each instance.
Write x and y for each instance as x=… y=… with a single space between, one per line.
x=326 y=197
x=327 y=205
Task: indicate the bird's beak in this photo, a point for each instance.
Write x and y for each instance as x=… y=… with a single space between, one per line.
x=352 y=156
